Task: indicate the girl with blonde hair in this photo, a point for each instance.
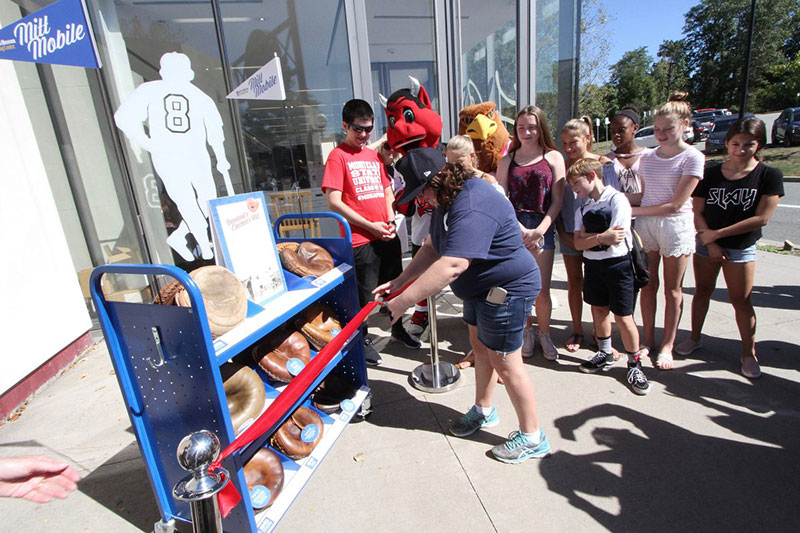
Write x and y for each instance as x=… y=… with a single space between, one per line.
x=665 y=220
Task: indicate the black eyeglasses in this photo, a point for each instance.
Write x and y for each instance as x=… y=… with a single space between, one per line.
x=361 y=129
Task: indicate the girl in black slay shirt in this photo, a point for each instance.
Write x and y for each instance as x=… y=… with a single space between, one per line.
x=731 y=205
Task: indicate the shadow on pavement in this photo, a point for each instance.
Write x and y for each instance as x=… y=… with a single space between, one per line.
x=122 y=486
x=764 y=296
x=671 y=477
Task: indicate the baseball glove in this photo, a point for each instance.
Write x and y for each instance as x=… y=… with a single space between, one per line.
x=223 y=295
x=297 y=437
x=319 y=324
x=275 y=352
x=305 y=259
x=265 y=469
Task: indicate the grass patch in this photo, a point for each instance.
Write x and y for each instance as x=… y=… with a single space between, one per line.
x=786 y=159
x=776 y=250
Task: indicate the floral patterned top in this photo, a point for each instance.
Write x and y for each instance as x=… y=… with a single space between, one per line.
x=529 y=186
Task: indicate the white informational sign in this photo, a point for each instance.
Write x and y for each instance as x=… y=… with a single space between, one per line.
x=245 y=245
x=265 y=84
x=182 y=121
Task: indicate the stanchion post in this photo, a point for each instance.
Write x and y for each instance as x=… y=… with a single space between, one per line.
x=437 y=376
x=195 y=453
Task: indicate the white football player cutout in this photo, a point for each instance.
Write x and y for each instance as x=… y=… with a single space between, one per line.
x=180 y=119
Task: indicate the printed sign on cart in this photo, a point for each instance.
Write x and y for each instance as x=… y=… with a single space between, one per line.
x=245 y=244
x=59 y=34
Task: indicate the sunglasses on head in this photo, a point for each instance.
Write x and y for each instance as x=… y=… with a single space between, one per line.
x=361 y=129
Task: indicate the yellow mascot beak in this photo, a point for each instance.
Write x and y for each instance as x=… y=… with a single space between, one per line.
x=481 y=127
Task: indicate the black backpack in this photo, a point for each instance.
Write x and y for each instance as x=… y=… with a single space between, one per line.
x=641 y=267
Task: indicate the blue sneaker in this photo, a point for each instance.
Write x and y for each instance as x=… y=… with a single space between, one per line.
x=517 y=448
x=472 y=421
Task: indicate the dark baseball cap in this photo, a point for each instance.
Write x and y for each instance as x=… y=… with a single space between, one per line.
x=417 y=167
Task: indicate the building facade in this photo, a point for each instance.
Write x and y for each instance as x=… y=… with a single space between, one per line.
x=93 y=196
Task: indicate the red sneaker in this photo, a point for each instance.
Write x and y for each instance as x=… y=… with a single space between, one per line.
x=419 y=321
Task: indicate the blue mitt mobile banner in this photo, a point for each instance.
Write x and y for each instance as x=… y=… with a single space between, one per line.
x=59 y=34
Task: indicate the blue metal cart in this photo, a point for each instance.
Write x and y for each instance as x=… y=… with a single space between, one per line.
x=168 y=370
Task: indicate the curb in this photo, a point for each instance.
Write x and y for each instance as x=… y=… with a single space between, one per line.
x=791 y=179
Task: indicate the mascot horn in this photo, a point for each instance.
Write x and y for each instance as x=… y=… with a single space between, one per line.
x=412 y=121
x=490 y=138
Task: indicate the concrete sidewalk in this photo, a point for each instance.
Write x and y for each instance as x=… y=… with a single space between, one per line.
x=706 y=449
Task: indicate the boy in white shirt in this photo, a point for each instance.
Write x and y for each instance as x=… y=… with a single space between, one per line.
x=603 y=231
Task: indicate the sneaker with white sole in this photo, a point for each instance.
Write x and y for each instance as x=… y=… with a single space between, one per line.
x=549 y=350
x=404 y=337
x=419 y=321
x=371 y=356
x=472 y=421
x=528 y=341
x=518 y=448
x=688 y=346
x=637 y=380
x=599 y=361
x=750 y=367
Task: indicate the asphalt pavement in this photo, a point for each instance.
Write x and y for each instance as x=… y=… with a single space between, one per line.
x=707 y=449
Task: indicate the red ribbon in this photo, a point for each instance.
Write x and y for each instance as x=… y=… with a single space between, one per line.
x=229 y=497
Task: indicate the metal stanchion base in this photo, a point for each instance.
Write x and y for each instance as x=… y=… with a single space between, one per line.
x=422 y=377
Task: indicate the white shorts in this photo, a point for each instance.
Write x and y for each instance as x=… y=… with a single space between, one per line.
x=669 y=236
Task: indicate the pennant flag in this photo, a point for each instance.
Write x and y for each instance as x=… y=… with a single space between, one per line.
x=266 y=84
x=59 y=34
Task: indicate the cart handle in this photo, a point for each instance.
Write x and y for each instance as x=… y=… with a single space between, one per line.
x=348 y=234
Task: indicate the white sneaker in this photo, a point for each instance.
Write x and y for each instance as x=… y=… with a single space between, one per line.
x=549 y=350
x=528 y=341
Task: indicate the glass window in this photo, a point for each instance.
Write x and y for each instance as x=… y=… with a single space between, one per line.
x=556 y=61
x=65 y=107
x=395 y=55
x=177 y=129
x=489 y=55
x=547 y=33
x=287 y=142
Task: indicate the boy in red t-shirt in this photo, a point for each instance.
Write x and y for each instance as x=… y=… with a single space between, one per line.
x=357 y=187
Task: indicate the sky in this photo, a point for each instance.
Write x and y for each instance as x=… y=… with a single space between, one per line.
x=636 y=23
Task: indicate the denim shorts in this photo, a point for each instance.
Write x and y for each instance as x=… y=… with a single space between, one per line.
x=499 y=325
x=746 y=255
x=565 y=249
x=532 y=220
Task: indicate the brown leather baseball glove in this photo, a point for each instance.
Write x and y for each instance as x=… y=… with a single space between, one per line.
x=223 y=295
x=296 y=438
x=265 y=469
x=305 y=259
x=244 y=391
x=274 y=354
x=319 y=324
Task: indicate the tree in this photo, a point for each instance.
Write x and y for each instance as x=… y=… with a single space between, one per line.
x=717 y=30
x=671 y=72
x=593 y=66
x=631 y=80
x=783 y=86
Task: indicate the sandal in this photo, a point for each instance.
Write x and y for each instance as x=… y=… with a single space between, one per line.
x=664 y=361
x=467 y=361
x=574 y=343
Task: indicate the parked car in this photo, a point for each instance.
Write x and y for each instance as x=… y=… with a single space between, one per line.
x=688 y=133
x=715 y=143
x=645 y=137
x=706 y=118
x=786 y=128
x=701 y=130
